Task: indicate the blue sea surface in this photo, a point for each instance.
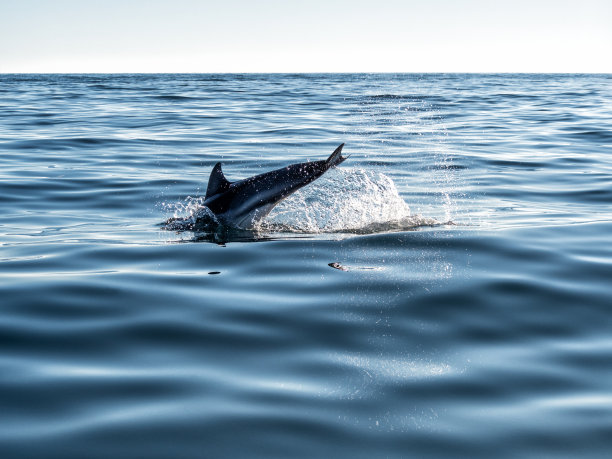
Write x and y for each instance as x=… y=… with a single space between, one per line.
x=445 y=292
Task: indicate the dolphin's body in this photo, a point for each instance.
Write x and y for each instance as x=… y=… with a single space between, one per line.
x=243 y=203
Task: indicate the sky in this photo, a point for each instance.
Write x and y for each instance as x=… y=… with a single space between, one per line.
x=57 y=36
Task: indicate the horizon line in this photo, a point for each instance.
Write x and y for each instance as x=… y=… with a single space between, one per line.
x=317 y=73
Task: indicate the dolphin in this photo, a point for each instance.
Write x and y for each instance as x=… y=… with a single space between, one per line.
x=243 y=203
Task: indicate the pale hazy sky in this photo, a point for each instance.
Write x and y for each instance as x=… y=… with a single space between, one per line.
x=305 y=36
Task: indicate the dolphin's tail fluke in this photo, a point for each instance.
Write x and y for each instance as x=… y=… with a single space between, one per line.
x=336 y=157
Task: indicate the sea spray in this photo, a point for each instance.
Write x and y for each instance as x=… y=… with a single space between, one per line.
x=345 y=200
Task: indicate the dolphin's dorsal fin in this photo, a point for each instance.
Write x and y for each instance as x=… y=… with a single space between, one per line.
x=217 y=182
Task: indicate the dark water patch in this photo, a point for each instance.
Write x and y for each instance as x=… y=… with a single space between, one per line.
x=391 y=97
x=593 y=135
x=518 y=164
x=128 y=87
x=107 y=87
x=596 y=195
x=574 y=94
x=42 y=123
x=299 y=132
x=62 y=144
x=518 y=96
x=45 y=114
x=54 y=144
x=174 y=98
x=68 y=96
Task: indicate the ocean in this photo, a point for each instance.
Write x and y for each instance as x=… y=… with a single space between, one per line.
x=445 y=292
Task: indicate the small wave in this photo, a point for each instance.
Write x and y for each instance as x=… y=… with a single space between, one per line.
x=131 y=86
x=43 y=122
x=174 y=98
x=392 y=97
x=515 y=95
x=108 y=87
x=60 y=144
x=597 y=135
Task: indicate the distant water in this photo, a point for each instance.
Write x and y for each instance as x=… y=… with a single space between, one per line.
x=447 y=291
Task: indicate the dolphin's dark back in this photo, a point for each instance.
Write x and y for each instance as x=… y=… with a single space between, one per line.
x=246 y=201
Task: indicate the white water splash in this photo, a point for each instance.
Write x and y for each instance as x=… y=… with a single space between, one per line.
x=189 y=215
x=344 y=200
